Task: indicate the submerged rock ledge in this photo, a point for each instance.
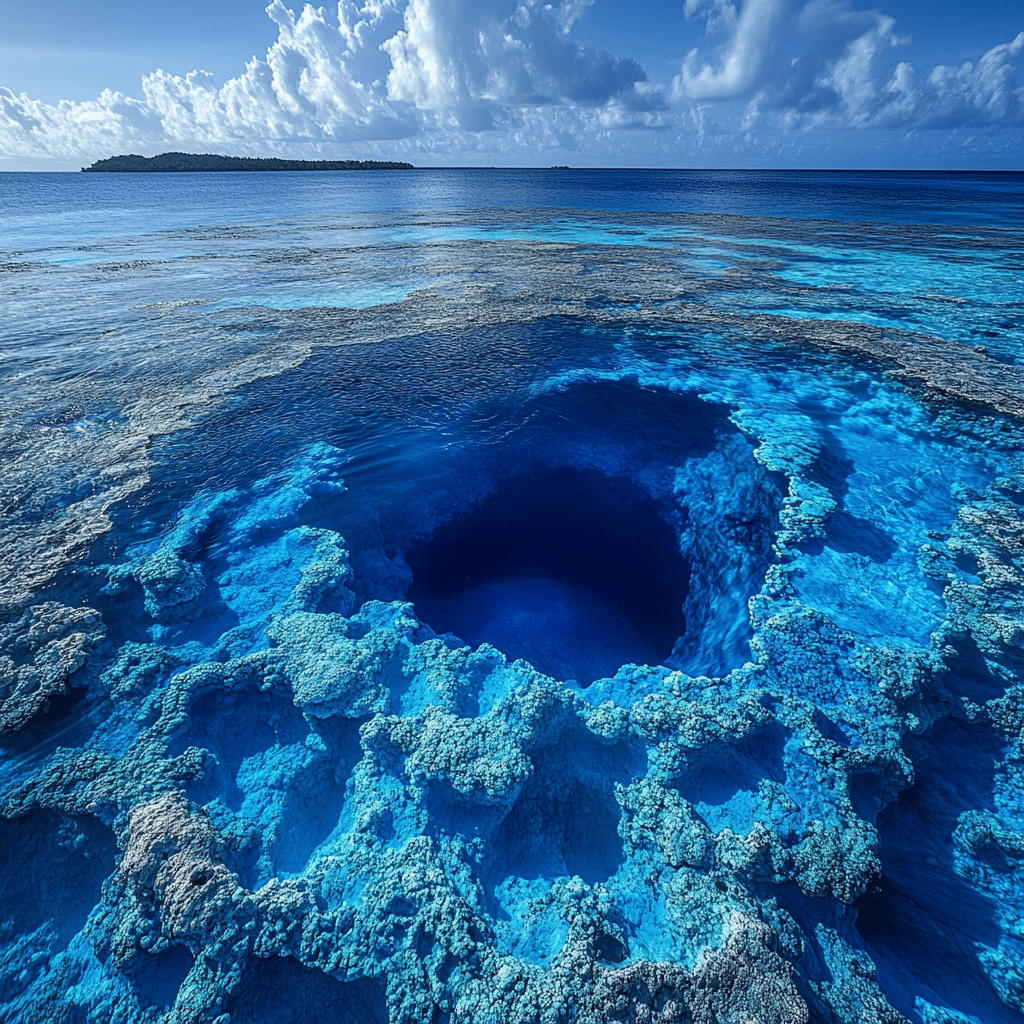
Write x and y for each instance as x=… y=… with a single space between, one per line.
x=252 y=774
x=320 y=802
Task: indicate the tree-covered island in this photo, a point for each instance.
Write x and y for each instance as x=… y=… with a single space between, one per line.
x=178 y=162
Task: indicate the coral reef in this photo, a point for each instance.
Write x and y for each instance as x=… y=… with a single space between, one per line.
x=319 y=801
x=617 y=657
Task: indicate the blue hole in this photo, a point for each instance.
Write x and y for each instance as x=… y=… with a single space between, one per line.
x=572 y=570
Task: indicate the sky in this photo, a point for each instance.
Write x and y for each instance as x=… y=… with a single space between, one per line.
x=648 y=83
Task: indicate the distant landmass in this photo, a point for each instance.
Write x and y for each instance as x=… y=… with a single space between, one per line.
x=178 y=162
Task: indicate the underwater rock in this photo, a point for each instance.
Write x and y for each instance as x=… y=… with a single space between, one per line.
x=172 y=585
x=402 y=827
x=944 y=367
x=678 y=696
x=41 y=648
x=745 y=979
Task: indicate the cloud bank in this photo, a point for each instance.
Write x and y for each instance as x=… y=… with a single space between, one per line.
x=507 y=78
x=825 y=64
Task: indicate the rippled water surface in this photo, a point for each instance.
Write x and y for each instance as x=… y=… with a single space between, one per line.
x=507 y=595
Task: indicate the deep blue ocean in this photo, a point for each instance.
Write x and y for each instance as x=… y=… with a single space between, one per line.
x=512 y=597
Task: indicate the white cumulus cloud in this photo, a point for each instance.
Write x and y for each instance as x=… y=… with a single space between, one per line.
x=470 y=56
x=755 y=34
x=468 y=78
x=976 y=94
x=824 y=64
x=385 y=71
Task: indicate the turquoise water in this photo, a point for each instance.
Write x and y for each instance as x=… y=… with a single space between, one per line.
x=512 y=596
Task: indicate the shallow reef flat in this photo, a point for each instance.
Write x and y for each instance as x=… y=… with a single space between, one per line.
x=511 y=615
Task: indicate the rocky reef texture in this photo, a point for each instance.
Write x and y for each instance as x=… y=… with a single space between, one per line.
x=43 y=646
x=616 y=657
x=293 y=797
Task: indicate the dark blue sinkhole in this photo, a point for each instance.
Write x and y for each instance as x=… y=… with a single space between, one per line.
x=575 y=571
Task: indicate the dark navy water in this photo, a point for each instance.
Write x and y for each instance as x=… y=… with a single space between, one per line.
x=921 y=197
x=585 y=579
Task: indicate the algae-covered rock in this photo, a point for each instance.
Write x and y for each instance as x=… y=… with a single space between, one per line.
x=293 y=798
x=41 y=649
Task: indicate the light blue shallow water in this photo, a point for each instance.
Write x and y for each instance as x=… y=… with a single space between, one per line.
x=502 y=596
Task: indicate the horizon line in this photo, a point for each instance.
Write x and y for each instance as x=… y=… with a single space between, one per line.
x=566 y=167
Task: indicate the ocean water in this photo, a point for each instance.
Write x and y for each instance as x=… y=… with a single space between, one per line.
x=512 y=596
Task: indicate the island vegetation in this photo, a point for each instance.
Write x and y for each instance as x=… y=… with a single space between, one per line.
x=179 y=162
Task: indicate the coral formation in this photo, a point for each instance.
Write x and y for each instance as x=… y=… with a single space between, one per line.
x=317 y=798
x=675 y=680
